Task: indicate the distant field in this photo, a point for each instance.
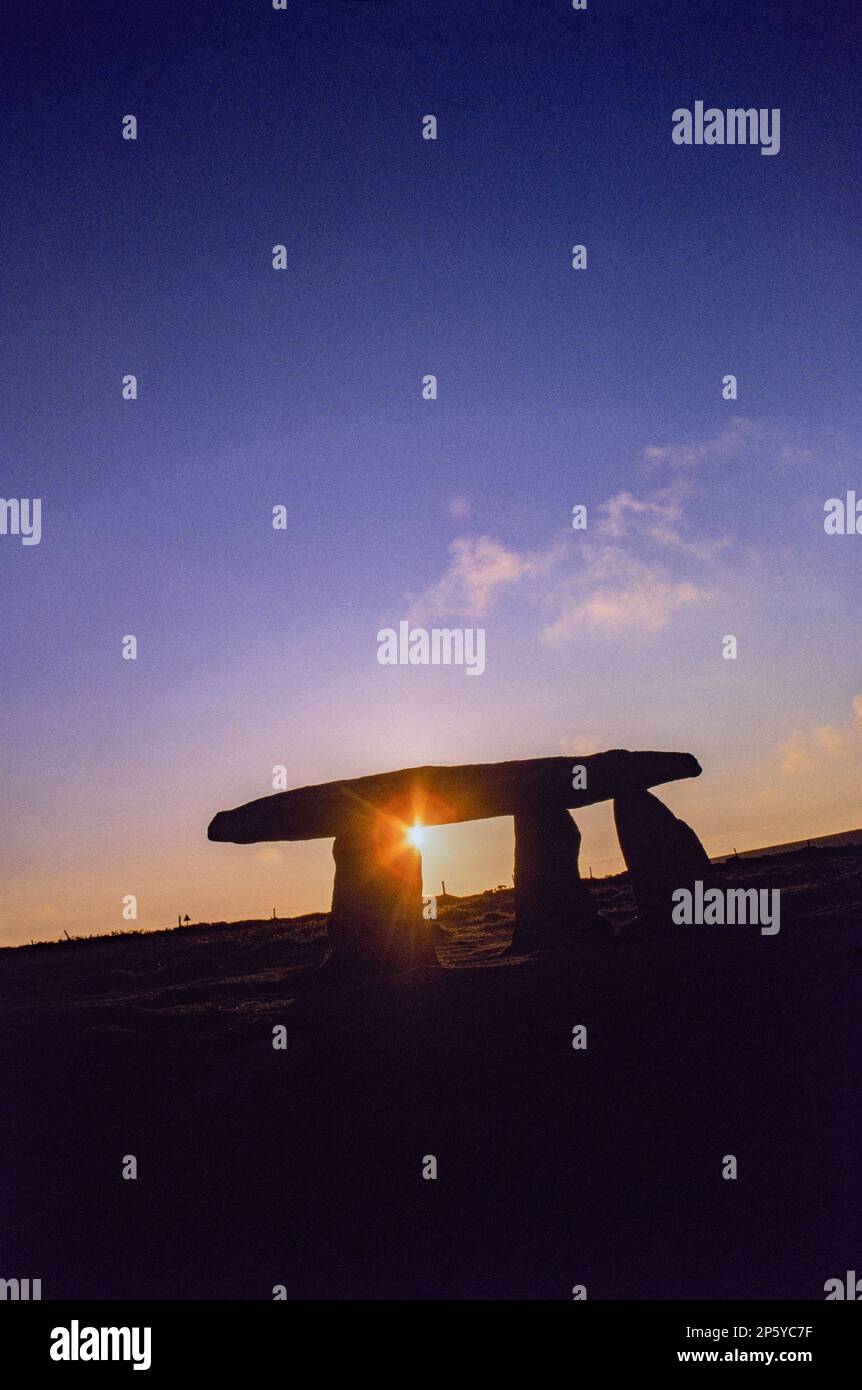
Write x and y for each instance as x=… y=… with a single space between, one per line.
x=844 y=837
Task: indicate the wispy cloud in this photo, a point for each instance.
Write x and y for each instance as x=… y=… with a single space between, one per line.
x=268 y=854
x=685 y=458
x=646 y=602
x=635 y=567
x=580 y=747
x=806 y=749
x=459 y=508
x=659 y=518
x=479 y=570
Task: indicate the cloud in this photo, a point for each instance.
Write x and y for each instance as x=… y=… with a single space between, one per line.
x=683 y=458
x=658 y=519
x=831 y=743
x=661 y=516
x=268 y=854
x=646 y=603
x=579 y=747
x=480 y=568
x=805 y=749
x=633 y=568
x=599 y=587
x=459 y=508
x=744 y=441
x=796 y=755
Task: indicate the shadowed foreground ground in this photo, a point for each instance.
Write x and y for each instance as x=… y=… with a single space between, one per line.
x=303 y=1167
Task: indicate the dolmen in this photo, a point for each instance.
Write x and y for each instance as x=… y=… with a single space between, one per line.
x=376 y=920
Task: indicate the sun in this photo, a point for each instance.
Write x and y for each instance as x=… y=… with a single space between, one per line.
x=416 y=835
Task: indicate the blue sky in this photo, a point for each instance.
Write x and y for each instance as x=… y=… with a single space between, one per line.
x=303 y=388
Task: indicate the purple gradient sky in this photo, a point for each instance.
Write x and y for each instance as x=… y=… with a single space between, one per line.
x=406 y=257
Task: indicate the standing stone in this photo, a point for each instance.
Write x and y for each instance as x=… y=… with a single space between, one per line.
x=376 y=920
x=553 y=907
x=662 y=854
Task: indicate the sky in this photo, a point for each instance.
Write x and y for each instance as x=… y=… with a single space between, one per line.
x=302 y=388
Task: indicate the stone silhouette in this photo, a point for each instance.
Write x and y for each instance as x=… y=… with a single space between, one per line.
x=662 y=853
x=376 y=919
x=553 y=907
